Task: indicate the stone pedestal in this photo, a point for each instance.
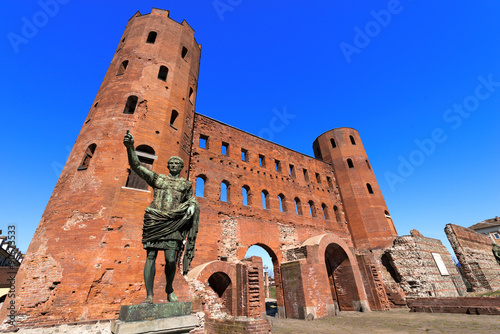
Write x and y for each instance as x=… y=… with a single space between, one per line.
x=155 y=318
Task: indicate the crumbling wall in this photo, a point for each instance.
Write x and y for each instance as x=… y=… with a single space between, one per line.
x=474 y=252
x=417 y=271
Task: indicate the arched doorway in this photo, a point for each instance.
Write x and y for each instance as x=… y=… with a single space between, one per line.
x=221 y=284
x=269 y=259
x=341 y=277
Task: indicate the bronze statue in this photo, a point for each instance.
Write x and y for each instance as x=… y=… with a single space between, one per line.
x=172 y=215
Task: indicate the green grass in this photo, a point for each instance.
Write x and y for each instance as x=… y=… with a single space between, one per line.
x=490 y=294
x=272 y=292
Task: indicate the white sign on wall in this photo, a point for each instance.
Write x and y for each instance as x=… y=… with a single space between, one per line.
x=440 y=264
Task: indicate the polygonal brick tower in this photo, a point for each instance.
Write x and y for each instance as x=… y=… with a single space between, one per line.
x=369 y=220
x=86 y=257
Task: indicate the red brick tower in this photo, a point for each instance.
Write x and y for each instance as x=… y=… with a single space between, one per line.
x=366 y=212
x=86 y=257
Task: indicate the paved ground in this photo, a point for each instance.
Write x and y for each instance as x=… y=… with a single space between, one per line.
x=394 y=321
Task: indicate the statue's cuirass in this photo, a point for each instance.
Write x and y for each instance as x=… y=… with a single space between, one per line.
x=169 y=192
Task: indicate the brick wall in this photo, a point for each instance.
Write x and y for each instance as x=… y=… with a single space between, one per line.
x=417 y=272
x=474 y=252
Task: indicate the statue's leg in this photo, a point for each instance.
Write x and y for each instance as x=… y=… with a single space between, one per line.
x=170 y=266
x=149 y=274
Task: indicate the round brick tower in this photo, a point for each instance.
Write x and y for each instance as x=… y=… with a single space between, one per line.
x=86 y=257
x=367 y=215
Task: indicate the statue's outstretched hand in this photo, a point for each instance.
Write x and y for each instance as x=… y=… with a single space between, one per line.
x=128 y=140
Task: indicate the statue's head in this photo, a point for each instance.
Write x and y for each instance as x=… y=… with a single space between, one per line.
x=175 y=165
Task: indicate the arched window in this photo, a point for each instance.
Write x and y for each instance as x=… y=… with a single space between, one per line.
x=246 y=195
x=326 y=214
x=369 y=187
x=224 y=191
x=146 y=156
x=162 y=74
x=281 y=199
x=349 y=163
x=352 y=140
x=265 y=200
x=337 y=213
x=332 y=141
x=130 y=105
x=200 y=185
x=173 y=117
x=122 y=68
x=312 y=209
x=151 y=37
x=298 y=207
x=368 y=164
x=184 y=52
x=89 y=153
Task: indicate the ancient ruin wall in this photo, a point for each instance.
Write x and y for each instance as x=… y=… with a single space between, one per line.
x=474 y=252
x=417 y=272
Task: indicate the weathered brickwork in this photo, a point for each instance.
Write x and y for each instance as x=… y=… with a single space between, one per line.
x=474 y=252
x=417 y=272
x=312 y=215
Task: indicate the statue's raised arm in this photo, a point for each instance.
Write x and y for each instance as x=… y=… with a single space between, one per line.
x=134 y=162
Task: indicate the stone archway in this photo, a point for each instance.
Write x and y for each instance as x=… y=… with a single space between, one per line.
x=342 y=271
x=222 y=286
x=277 y=278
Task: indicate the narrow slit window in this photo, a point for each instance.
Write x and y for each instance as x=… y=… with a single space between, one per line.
x=306 y=175
x=151 y=37
x=191 y=95
x=298 y=207
x=184 y=52
x=312 y=209
x=246 y=195
x=352 y=140
x=329 y=180
x=277 y=165
x=281 y=199
x=326 y=214
x=224 y=149
x=201 y=180
x=262 y=160
x=349 y=163
x=332 y=141
x=265 y=200
x=130 y=105
x=244 y=155
x=123 y=67
x=368 y=164
x=369 y=187
x=89 y=153
x=292 y=170
x=204 y=141
x=173 y=117
x=224 y=191
x=337 y=213
x=318 y=178
x=162 y=73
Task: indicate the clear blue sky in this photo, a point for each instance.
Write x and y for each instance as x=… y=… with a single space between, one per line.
x=397 y=71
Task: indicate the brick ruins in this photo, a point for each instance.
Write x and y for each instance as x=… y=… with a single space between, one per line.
x=322 y=219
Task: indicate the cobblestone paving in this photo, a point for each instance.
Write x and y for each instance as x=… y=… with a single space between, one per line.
x=394 y=321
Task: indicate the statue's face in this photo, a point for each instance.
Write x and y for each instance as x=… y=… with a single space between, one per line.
x=175 y=167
